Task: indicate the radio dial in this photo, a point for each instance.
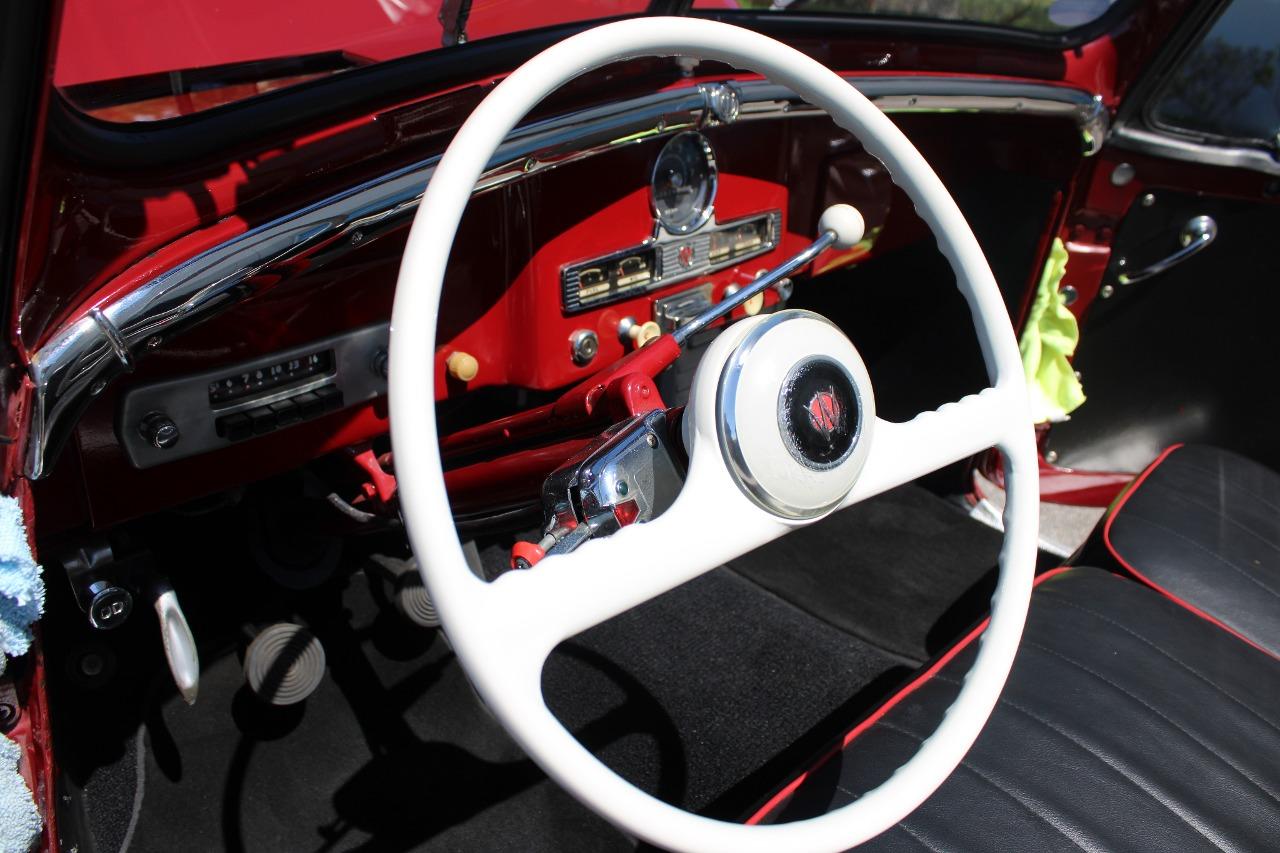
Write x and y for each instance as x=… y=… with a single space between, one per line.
x=159 y=430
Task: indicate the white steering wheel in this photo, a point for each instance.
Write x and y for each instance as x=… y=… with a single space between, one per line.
x=744 y=486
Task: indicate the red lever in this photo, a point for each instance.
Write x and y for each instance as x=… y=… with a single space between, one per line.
x=525 y=555
x=381 y=485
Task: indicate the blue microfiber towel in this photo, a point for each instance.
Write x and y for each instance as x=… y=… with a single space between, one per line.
x=21 y=587
x=21 y=603
x=19 y=820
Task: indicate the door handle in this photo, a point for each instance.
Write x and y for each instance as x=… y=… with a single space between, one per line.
x=1196 y=236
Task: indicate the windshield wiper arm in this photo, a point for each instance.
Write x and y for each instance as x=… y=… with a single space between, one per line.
x=453 y=17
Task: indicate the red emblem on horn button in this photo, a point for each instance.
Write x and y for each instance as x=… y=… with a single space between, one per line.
x=825 y=412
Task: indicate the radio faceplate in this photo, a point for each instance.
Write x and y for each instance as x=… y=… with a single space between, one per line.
x=195 y=414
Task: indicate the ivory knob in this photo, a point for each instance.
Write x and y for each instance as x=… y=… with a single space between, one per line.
x=642 y=333
x=462 y=366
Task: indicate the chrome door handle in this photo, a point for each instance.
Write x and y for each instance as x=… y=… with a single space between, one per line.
x=1196 y=236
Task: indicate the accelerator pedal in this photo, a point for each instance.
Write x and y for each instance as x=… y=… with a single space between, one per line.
x=406 y=591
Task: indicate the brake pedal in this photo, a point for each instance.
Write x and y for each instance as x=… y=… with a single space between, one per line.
x=284 y=664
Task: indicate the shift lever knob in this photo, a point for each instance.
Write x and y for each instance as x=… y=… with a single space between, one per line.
x=845 y=222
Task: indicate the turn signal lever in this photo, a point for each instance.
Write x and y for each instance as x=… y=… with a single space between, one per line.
x=630 y=474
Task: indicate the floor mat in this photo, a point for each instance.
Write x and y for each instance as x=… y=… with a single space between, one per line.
x=706 y=696
x=905 y=572
x=716 y=682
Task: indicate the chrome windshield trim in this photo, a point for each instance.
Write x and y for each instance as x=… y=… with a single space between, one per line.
x=1159 y=144
x=79 y=360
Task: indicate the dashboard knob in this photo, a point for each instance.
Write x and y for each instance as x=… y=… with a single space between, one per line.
x=752 y=306
x=380 y=363
x=159 y=430
x=462 y=366
x=638 y=334
x=583 y=345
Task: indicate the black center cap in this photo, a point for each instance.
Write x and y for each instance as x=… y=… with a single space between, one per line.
x=818 y=413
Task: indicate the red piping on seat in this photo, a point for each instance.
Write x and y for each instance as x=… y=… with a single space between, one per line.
x=888 y=706
x=1140 y=577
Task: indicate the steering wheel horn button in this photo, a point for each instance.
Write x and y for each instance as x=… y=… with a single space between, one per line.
x=818 y=413
x=801 y=462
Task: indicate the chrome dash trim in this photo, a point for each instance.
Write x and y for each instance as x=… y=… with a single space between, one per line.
x=81 y=357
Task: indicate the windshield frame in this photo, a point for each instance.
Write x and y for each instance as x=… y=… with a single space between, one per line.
x=181 y=138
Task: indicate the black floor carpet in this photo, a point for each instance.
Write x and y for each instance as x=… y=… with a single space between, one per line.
x=906 y=571
x=707 y=696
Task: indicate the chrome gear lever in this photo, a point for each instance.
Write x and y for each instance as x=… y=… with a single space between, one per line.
x=841 y=226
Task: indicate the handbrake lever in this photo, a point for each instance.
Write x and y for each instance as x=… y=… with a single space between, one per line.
x=179 y=642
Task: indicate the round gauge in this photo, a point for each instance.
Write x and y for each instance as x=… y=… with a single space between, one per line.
x=684 y=183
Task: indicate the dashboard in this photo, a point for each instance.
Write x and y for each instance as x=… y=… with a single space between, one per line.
x=564 y=262
x=553 y=277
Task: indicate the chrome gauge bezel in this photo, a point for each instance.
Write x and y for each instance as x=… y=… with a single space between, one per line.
x=705 y=213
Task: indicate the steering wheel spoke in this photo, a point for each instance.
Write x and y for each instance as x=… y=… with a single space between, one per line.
x=709 y=524
x=904 y=451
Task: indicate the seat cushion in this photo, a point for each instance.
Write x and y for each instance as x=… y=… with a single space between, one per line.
x=1202 y=525
x=1127 y=724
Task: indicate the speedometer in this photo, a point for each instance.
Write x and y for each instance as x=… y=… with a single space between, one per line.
x=684 y=183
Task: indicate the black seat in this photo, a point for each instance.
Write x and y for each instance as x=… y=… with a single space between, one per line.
x=1202 y=525
x=1127 y=724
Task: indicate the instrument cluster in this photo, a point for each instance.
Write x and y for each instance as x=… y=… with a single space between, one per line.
x=687 y=241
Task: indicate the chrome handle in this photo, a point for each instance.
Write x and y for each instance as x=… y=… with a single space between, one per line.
x=179 y=643
x=841 y=225
x=1196 y=236
x=775 y=275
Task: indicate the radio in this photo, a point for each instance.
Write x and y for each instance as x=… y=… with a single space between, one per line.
x=195 y=414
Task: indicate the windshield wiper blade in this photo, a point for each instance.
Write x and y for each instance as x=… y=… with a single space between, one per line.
x=669 y=7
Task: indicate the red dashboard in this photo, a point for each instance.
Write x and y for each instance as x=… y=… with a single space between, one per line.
x=504 y=305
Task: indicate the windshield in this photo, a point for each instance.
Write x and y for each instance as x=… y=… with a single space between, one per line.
x=142 y=60
x=1046 y=16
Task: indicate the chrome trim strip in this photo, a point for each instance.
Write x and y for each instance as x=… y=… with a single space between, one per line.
x=1165 y=145
x=79 y=360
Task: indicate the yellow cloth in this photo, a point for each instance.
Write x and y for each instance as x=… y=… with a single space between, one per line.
x=1049 y=339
